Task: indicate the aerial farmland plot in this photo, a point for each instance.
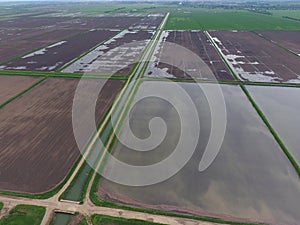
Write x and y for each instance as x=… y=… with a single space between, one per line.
x=116 y=55
x=12 y=85
x=151 y=21
x=31 y=22
x=58 y=54
x=208 y=65
x=281 y=105
x=250 y=180
x=213 y=83
x=22 y=46
x=256 y=59
x=7 y=35
x=287 y=39
x=41 y=121
x=112 y=21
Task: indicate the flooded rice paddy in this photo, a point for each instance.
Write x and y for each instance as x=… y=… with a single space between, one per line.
x=281 y=105
x=250 y=180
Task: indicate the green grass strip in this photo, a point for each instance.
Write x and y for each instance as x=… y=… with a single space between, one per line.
x=24 y=215
x=102 y=219
x=60 y=74
x=1 y=205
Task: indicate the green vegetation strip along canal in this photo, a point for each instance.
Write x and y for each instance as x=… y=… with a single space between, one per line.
x=76 y=191
x=24 y=215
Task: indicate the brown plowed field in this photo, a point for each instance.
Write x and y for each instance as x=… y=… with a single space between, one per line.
x=67 y=22
x=198 y=43
x=55 y=57
x=31 y=22
x=288 y=39
x=7 y=35
x=149 y=22
x=22 y=46
x=117 y=55
x=256 y=59
x=12 y=85
x=38 y=148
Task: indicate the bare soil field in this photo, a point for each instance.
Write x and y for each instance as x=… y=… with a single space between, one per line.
x=77 y=22
x=7 y=35
x=152 y=21
x=256 y=59
x=288 y=39
x=117 y=55
x=12 y=85
x=209 y=64
x=37 y=144
x=31 y=22
x=19 y=47
x=55 y=56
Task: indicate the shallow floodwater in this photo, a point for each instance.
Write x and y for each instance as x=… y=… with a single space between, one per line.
x=250 y=179
x=281 y=105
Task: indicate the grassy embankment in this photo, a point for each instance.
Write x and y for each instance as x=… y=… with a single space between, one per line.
x=24 y=215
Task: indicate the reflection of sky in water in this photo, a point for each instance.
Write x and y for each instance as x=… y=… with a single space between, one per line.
x=281 y=105
x=250 y=178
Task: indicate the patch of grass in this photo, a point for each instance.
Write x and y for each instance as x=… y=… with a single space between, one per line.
x=108 y=220
x=290 y=13
x=24 y=215
x=1 y=205
x=227 y=20
x=83 y=222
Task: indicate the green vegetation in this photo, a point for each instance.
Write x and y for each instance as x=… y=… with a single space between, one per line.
x=288 y=13
x=108 y=220
x=24 y=215
x=83 y=222
x=77 y=189
x=204 y=19
x=1 y=205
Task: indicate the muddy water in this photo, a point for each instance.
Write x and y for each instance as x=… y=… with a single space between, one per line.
x=281 y=105
x=251 y=179
x=61 y=219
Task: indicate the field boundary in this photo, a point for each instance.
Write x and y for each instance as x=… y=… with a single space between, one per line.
x=22 y=92
x=260 y=113
x=118 y=97
x=87 y=52
x=61 y=197
x=275 y=43
x=52 y=43
x=272 y=130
